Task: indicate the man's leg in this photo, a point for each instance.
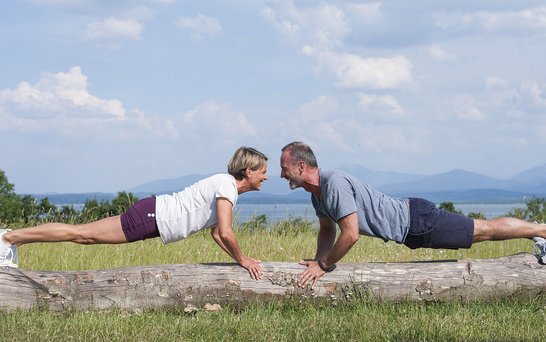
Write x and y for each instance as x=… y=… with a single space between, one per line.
x=505 y=228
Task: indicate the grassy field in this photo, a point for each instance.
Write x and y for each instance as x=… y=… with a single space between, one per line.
x=507 y=320
x=292 y=321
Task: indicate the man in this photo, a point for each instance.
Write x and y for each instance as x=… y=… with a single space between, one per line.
x=357 y=208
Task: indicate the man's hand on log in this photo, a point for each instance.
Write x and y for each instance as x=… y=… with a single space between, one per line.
x=311 y=274
x=252 y=266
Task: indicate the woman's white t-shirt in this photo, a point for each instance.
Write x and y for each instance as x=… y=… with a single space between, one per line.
x=194 y=208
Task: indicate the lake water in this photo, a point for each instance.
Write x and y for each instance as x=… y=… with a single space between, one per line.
x=278 y=212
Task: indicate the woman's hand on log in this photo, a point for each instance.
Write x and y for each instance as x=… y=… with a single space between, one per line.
x=311 y=274
x=252 y=266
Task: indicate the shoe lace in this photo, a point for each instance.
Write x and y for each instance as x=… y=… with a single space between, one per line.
x=6 y=254
x=539 y=248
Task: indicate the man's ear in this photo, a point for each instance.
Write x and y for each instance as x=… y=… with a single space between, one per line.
x=301 y=165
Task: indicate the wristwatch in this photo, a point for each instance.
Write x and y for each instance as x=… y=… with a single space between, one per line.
x=324 y=268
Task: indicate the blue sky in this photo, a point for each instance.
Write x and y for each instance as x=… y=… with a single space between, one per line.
x=105 y=95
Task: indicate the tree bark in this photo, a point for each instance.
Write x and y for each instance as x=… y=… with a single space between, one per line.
x=193 y=286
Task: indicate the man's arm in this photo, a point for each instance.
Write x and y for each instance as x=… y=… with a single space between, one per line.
x=348 y=237
x=326 y=237
x=225 y=237
x=348 y=226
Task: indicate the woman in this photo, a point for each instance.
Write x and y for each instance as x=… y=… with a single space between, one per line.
x=206 y=204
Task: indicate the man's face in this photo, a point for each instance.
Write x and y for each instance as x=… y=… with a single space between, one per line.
x=291 y=171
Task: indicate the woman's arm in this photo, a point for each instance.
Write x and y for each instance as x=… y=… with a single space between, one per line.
x=216 y=238
x=225 y=237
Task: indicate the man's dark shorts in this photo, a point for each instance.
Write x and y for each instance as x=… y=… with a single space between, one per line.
x=431 y=227
x=138 y=222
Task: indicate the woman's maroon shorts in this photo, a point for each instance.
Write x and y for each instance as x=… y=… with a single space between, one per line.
x=138 y=222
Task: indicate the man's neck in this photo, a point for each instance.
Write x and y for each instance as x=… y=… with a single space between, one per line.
x=312 y=183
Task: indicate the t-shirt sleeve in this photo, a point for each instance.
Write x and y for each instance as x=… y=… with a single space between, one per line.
x=341 y=199
x=226 y=189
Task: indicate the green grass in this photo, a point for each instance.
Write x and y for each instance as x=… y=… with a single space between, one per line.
x=506 y=320
x=292 y=321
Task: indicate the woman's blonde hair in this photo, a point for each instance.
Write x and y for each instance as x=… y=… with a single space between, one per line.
x=245 y=158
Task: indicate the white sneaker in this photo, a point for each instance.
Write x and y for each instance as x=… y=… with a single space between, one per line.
x=539 y=249
x=8 y=252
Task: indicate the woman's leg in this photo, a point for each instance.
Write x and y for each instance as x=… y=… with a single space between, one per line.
x=105 y=231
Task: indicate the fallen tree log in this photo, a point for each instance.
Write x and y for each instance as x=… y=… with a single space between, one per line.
x=193 y=286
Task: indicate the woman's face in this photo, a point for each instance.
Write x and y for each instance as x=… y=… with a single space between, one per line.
x=256 y=177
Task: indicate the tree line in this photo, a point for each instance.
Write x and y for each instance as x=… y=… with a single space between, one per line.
x=25 y=209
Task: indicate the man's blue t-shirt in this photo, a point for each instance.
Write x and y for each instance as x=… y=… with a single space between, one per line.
x=378 y=214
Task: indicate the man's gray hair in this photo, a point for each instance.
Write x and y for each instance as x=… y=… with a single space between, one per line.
x=301 y=151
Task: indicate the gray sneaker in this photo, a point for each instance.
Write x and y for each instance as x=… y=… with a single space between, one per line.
x=539 y=249
x=8 y=252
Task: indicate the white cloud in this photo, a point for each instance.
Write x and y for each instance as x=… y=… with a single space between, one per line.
x=320 y=122
x=323 y=26
x=139 y=13
x=364 y=12
x=60 y=93
x=384 y=138
x=140 y=125
x=321 y=29
x=318 y=108
x=495 y=82
x=373 y=72
x=323 y=122
x=287 y=27
x=330 y=26
x=200 y=25
x=315 y=121
x=218 y=122
x=467 y=109
x=534 y=93
x=62 y=103
x=532 y=19
x=524 y=101
x=470 y=113
x=440 y=54
x=385 y=106
x=113 y=28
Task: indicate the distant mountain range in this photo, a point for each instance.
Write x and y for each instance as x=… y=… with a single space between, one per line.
x=458 y=186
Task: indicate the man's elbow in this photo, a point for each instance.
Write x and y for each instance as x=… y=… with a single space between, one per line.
x=352 y=238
